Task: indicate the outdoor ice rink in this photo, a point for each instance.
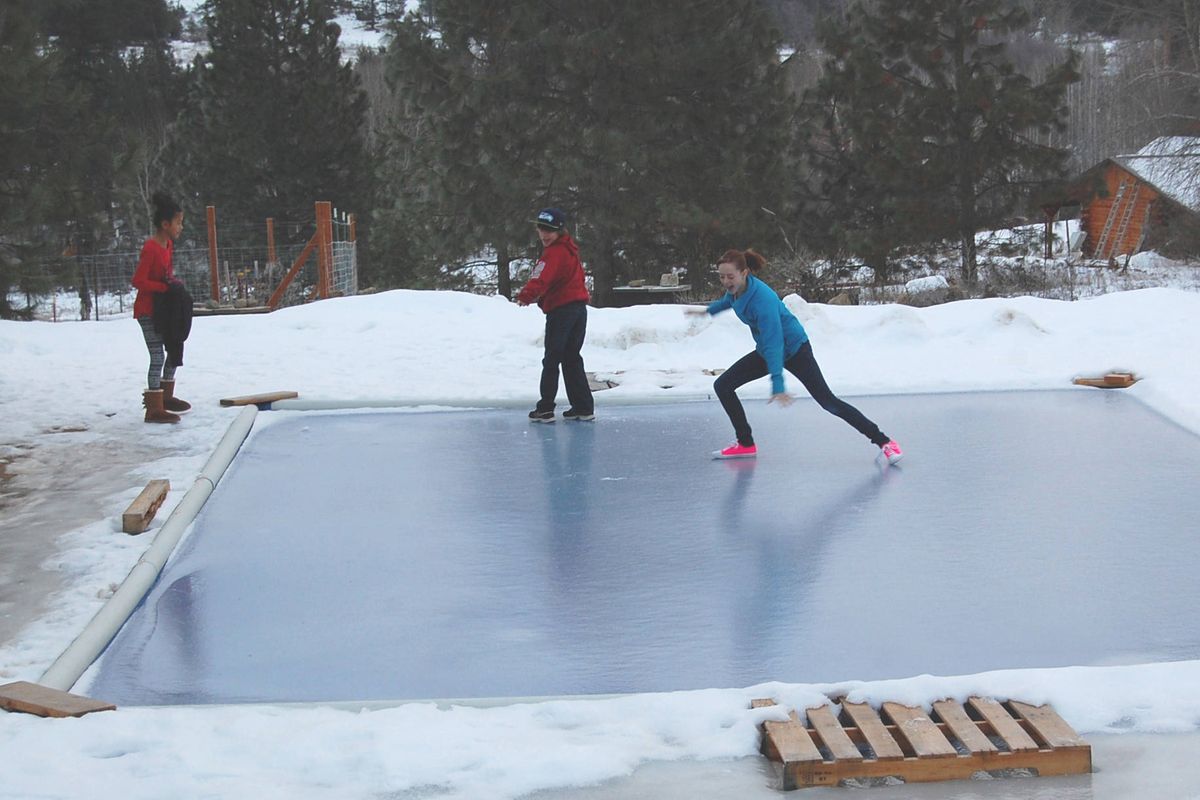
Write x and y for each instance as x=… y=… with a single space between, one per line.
x=470 y=554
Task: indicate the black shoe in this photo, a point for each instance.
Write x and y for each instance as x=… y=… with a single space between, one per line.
x=541 y=416
x=581 y=416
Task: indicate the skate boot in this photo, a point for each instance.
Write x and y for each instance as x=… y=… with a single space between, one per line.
x=736 y=450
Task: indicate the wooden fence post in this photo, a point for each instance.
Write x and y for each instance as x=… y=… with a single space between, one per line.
x=324 y=211
x=353 y=229
x=213 y=269
x=271 y=240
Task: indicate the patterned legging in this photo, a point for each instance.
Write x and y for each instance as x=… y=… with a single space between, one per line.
x=161 y=368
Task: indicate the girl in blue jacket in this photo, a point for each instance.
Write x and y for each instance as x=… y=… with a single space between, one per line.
x=780 y=343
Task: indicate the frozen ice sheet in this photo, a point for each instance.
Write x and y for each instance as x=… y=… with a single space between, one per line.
x=471 y=554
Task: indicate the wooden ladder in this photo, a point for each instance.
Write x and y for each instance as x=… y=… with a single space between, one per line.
x=1120 y=213
x=1126 y=216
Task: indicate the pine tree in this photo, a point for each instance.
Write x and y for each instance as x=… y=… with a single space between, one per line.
x=857 y=164
x=274 y=116
x=659 y=128
x=116 y=54
x=463 y=160
x=933 y=78
x=674 y=131
x=150 y=99
x=34 y=137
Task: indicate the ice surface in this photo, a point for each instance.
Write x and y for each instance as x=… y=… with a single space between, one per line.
x=471 y=554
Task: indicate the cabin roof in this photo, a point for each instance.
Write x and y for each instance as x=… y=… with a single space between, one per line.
x=1172 y=165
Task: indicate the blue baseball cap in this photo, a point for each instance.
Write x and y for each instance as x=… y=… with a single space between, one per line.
x=554 y=219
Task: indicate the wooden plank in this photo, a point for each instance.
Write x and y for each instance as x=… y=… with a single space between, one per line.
x=790 y=741
x=922 y=735
x=1003 y=723
x=963 y=727
x=220 y=311
x=1048 y=725
x=258 y=399
x=873 y=730
x=30 y=698
x=1120 y=379
x=143 y=508
x=830 y=731
x=786 y=741
x=277 y=295
x=792 y=745
x=1113 y=380
x=1070 y=761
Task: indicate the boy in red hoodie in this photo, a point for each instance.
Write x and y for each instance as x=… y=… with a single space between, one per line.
x=557 y=286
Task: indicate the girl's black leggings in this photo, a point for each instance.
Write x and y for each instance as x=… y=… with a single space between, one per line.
x=803 y=365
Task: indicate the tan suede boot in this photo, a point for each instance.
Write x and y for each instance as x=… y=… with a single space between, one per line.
x=171 y=402
x=153 y=400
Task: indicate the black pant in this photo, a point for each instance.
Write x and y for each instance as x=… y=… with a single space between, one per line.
x=565 y=329
x=804 y=366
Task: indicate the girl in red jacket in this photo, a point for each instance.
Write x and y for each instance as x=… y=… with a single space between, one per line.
x=153 y=275
x=557 y=287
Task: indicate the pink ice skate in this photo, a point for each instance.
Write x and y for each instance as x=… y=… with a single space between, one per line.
x=892 y=452
x=736 y=450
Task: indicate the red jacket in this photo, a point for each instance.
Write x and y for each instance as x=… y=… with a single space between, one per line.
x=152 y=275
x=557 y=278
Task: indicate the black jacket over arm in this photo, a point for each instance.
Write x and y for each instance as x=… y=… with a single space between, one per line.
x=173 y=319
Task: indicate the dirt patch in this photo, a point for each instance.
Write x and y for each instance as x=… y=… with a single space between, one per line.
x=11 y=490
x=46 y=490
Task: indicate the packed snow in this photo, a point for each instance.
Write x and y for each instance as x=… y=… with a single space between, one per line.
x=77 y=386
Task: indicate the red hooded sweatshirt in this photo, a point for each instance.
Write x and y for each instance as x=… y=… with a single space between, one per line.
x=557 y=277
x=152 y=275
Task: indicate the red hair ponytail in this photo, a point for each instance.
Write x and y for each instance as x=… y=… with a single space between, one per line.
x=744 y=260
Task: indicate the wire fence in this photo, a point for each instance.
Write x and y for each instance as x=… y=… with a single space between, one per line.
x=98 y=286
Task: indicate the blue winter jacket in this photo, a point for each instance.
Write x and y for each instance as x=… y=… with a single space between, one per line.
x=778 y=335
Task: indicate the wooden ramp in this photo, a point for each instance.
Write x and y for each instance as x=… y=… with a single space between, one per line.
x=955 y=742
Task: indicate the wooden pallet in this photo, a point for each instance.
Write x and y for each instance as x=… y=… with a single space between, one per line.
x=1113 y=380
x=955 y=742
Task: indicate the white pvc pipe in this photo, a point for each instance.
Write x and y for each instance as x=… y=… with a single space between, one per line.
x=441 y=702
x=317 y=404
x=607 y=401
x=96 y=635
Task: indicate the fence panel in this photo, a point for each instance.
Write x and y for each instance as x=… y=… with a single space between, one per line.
x=98 y=286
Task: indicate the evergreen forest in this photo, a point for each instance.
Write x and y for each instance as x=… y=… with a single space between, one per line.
x=840 y=131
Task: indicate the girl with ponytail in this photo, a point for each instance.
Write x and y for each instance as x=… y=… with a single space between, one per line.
x=780 y=342
x=155 y=277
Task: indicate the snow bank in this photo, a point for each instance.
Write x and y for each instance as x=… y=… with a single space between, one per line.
x=423 y=345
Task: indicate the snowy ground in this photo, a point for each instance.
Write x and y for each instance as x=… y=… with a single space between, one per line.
x=71 y=399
